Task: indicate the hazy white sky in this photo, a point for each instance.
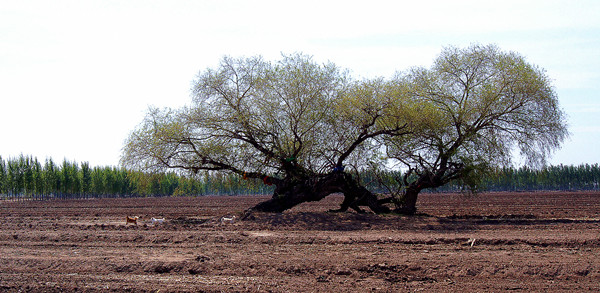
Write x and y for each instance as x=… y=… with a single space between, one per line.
x=77 y=76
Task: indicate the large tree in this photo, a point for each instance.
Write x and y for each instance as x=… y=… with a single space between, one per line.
x=294 y=124
x=487 y=103
x=307 y=128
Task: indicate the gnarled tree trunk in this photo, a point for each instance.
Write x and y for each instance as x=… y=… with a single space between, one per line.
x=429 y=179
x=289 y=193
x=409 y=201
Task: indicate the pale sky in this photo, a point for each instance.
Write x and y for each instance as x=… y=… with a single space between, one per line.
x=77 y=76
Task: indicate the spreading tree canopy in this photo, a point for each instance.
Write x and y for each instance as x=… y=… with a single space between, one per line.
x=486 y=103
x=309 y=129
x=290 y=123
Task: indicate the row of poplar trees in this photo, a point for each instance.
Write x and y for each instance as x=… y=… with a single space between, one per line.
x=27 y=178
x=584 y=177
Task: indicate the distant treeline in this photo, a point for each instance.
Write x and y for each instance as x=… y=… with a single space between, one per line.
x=550 y=178
x=561 y=177
x=27 y=178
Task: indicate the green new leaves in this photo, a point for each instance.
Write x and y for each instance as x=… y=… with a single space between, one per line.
x=249 y=116
x=482 y=103
x=465 y=113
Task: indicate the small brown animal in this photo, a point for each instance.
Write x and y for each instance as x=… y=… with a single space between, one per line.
x=129 y=219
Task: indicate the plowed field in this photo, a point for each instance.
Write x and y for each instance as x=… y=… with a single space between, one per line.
x=518 y=242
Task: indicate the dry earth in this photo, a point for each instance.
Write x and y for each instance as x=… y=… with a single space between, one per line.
x=518 y=242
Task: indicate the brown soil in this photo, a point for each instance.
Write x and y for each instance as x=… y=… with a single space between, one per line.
x=492 y=242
